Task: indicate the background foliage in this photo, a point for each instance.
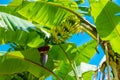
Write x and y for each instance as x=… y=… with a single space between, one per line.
x=28 y=25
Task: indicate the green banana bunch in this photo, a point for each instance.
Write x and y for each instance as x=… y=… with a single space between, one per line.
x=65 y=30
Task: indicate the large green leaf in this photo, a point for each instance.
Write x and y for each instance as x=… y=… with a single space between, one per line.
x=43 y=12
x=16 y=62
x=63 y=51
x=58 y=51
x=81 y=54
x=88 y=75
x=59 y=56
x=86 y=52
x=104 y=14
x=31 y=39
x=19 y=31
x=107 y=21
x=63 y=70
x=11 y=22
x=5 y=78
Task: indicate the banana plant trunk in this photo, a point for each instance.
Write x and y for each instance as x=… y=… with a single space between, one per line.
x=115 y=64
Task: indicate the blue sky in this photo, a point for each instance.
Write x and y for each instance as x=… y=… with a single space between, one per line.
x=78 y=39
x=4 y=1
x=4 y=47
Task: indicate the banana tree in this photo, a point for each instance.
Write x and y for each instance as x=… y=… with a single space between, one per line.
x=39 y=29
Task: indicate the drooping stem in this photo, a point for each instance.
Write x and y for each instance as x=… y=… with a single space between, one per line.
x=72 y=66
x=89 y=30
